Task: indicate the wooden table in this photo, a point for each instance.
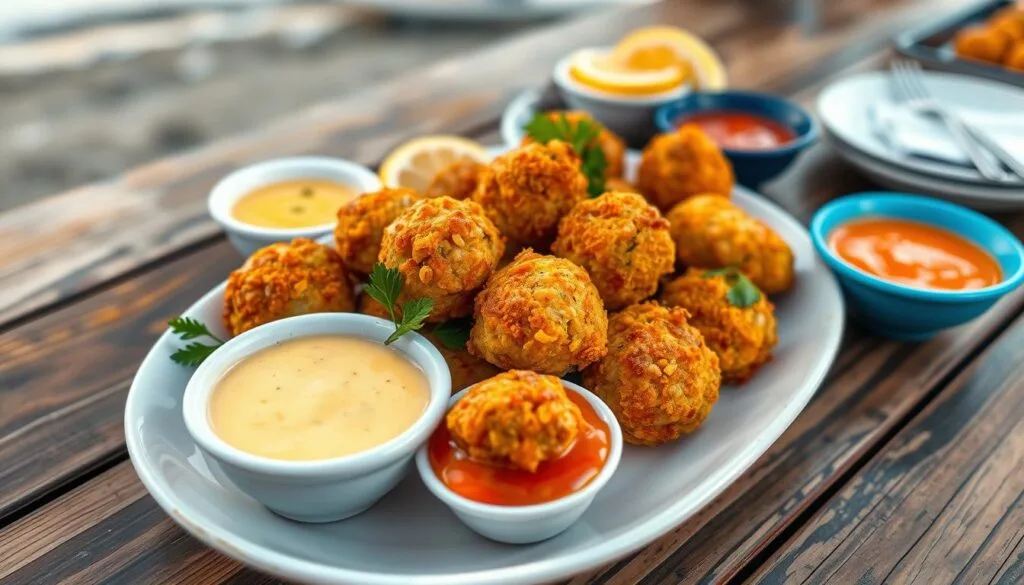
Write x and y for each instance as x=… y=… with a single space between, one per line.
x=907 y=465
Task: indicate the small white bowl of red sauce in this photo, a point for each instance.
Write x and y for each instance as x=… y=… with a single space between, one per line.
x=516 y=506
x=761 y=134
x=286 y=198
x=911 y=266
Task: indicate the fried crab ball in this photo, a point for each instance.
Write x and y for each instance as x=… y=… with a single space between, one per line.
x=1015 y=58
x=622 y=241
x=981 y=43
x=518 y=418
x=682 y=164
x=361 y=224
x=458 y=180
x=620 y=185
x=540 y=313
x=711 y=232
x=741 y=337
x=285 y=280
x=614 y=148
x=659 y=377
x=1009 y=24
x=445 y=250
x=527 y=190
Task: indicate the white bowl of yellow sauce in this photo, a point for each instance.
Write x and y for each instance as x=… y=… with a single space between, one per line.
x=286 y=198
x=313 y=416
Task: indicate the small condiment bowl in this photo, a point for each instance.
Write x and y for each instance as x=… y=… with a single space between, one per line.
x=629 y=116
x=752 y=167
x=903 y=312
x=526 y=524
x=319 y=490
x=248 y=238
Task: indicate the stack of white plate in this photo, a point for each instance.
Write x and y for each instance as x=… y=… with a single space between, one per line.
x=857 y=114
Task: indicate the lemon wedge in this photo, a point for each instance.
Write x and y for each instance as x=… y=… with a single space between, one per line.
x=415 y=163
x=658 y=47
x=594 y=68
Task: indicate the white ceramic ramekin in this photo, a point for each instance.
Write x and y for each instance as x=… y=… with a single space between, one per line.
x=631 y=117
x=526 y=524
x=249 y=238
x=329 y=489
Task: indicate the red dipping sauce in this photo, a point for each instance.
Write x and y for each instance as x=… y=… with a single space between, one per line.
x=740 y=130
x=507 y=486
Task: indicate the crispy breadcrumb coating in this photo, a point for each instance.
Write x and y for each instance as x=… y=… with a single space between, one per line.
x=614 y=148
x=457 y=180
x=518 y=418
x=361 y=224
x=540 y=313
x=712 y=232
x=526 y=191
x=622 y=242
x=285 y=280
x=659 y=377
x=982 y=43
x=445 y=249
x=682 y=164
x=741 y=337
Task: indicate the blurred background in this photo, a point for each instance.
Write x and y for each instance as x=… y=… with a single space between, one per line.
x=89 y=88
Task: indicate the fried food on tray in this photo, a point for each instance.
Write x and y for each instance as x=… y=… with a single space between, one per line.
x=527 y=190
x=712 y=232
x=659 y=377
x=361 y=224
x=622 y=241
x=445 y=249
x=982 y=43
x=1008 y=24
x=614 y=148
x=457 y=180
x=741 y=337
x=518 y=418
x=285 y=280
x=1015 y=58
x=539 y=313
x=681 y=164
x=620 y=185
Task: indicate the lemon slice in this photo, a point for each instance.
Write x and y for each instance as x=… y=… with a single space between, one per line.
x=415 y=163
x=658 y=47
x=593 y=68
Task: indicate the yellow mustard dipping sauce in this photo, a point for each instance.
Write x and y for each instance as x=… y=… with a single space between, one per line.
x=317 y=397
x=293 y=204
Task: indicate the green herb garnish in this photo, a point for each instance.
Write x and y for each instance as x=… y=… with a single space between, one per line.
x=194 y=353
x=582 y=136
x=742 y=292
x=454 y=333
x=384 y=287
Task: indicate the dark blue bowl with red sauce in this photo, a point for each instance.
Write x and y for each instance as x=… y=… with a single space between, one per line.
x=761 y=134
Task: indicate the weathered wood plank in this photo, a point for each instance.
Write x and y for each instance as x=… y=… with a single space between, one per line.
x=61 y=246
x=943 y=502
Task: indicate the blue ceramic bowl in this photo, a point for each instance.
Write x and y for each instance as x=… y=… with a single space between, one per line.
x=752 y=167
x=903 y=312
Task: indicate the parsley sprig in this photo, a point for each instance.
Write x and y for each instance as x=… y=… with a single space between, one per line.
x=582 y=136
x=454 y=333
x=384 y=287
x=193 y=354
x=742 y=292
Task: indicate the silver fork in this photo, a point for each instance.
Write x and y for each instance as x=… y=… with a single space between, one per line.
x=909 y=89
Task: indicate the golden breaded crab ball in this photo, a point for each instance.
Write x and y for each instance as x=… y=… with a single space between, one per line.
x=741 y=336
x=539 y=313
x=526 y=191
x=613 y=147
x=445 y=250
x=712 y=232
x=681 y=164
x=361 y=224
x=622 y=242
x=659 y=378
x=457 y=180
x=284 y=280
x=518 y=418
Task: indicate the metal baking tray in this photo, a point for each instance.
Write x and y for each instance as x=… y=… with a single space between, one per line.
x=931 y=43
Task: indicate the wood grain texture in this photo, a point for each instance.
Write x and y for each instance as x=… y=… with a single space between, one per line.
x=942 y=503
x=64 y=245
